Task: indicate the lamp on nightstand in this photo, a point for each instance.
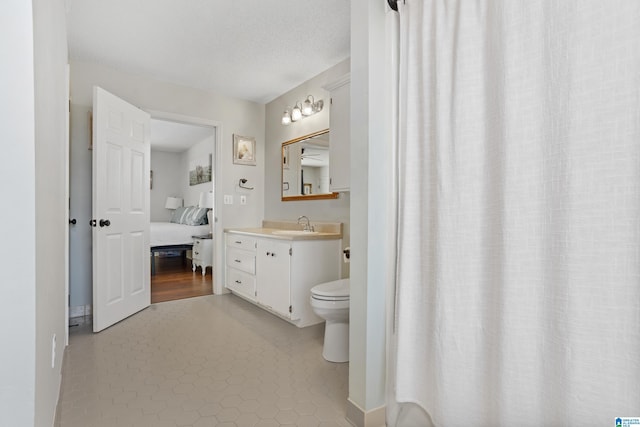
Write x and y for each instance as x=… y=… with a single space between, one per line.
x=206 y=201
x=173 y=203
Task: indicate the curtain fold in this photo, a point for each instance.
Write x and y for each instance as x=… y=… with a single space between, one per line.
x=518 y=285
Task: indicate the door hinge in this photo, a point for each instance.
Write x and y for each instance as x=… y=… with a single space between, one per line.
x=290 y=309
x=290 y=251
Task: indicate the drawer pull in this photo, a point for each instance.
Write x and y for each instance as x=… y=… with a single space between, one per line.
x=238 y=282
x=238 y=242
x=197 y=253
x=237 y=260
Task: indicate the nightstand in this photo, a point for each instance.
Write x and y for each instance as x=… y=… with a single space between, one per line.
x=202 y=252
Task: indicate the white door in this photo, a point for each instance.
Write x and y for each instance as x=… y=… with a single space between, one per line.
x=121 y=264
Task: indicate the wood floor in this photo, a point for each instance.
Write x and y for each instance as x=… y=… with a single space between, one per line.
x=174 y=280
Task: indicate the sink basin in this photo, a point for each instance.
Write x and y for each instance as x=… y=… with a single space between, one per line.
x=294 y=232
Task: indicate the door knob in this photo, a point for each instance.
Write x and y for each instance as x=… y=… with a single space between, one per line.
x=105 y=223
x=73 y=221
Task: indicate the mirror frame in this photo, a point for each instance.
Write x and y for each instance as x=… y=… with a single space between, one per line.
x=284 y=198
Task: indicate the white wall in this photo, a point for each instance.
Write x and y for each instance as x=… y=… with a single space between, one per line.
x=17 y=178
x=234 y=115
x=369 y=208
x=335 y=210
x=34 y=166
x=51 y=100
x=171 y=176
x=80 y=252
x=167 y=176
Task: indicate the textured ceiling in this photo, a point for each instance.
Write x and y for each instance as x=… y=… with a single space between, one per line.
x=249 y=49
x=176 y=137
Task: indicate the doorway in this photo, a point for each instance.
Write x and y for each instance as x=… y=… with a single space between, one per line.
x=80 y=189
x=182 y=181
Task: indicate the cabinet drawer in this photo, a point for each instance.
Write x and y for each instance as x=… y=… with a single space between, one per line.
x=241 y=242
x=202 y=250
x=241 y=260
x=196 y=250
x=241 y=283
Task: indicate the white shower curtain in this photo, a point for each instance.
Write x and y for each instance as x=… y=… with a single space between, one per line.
x=518 y=285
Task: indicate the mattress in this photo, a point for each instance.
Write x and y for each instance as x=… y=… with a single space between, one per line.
x=169 y=233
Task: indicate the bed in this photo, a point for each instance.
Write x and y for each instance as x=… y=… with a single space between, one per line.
x=177 y=235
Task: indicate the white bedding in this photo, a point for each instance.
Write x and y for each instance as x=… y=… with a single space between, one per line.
x=169 y=233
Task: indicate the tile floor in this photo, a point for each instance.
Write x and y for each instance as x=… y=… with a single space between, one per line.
x=206 y=361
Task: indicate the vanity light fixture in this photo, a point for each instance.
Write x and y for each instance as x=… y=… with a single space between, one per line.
x=286 y=117
x=301 y=110
x=308 y=106
x=296 y=113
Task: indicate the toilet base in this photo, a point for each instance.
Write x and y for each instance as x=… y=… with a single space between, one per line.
x=336 y=342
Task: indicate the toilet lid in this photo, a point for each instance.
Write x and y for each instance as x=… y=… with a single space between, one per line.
x=338 y=288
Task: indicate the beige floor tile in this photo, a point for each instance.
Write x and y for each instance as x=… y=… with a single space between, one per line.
x=208 y=361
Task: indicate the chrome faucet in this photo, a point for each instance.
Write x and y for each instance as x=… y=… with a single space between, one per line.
x=307 y=226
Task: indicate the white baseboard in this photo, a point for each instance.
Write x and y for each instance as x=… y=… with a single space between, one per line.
x=79 y=311
x=361 y=418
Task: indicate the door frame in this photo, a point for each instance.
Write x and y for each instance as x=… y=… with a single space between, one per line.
x=67 y=198
x=218 y=285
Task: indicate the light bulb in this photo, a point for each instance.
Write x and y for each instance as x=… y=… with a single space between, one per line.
x=307 y=106
x=296 y=114
x=286 y=118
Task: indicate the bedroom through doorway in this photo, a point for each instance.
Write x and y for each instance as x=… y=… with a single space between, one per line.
x=181 y=204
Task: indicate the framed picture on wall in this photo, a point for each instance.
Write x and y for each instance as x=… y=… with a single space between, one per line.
x=200 y=171
x=244 y=150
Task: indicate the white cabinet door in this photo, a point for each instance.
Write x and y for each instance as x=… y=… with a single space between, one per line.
x=340 y=146
x=273 y=268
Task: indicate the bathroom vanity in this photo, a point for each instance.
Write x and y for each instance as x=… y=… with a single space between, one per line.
x=276 y=266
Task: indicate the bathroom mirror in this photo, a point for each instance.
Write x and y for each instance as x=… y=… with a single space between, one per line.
x=305 y=168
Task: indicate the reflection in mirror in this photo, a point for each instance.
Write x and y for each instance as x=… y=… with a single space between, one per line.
x=305 y=168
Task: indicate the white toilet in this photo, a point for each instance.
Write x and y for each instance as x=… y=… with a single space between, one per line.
x=331 y=302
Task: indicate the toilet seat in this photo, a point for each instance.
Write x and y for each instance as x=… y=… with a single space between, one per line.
x=323 y=298
x=338 y=290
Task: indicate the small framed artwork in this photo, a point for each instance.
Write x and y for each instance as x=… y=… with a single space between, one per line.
x=200 y=171
x=244 y=150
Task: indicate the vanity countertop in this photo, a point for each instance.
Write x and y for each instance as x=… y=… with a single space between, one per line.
x=279 y=233
x=279 y=230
